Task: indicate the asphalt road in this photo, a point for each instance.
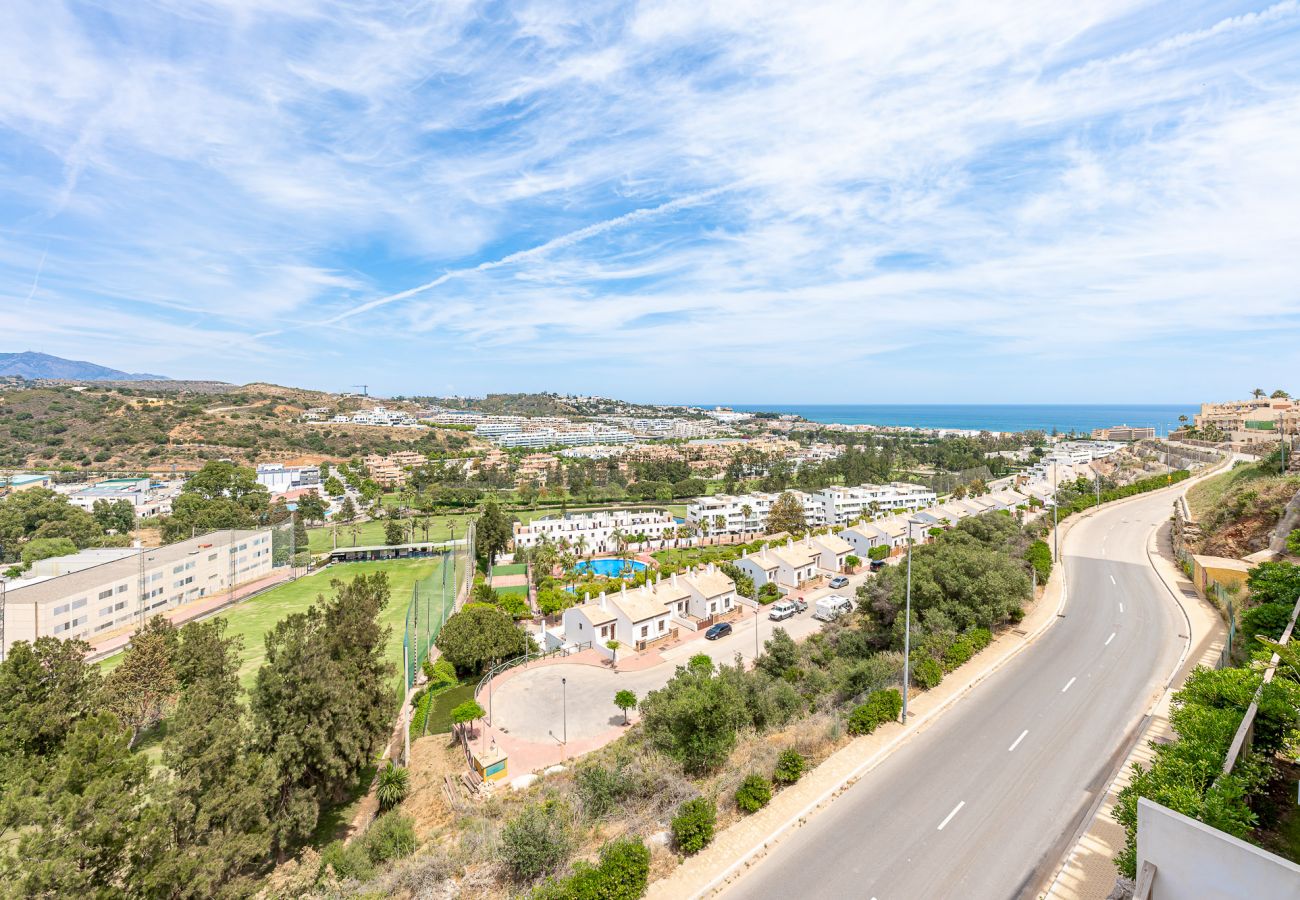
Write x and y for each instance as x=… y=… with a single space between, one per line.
x=980 y=803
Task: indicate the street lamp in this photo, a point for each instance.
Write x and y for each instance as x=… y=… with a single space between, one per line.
x=564 y=706
x=1056 y=547
x=907 y=624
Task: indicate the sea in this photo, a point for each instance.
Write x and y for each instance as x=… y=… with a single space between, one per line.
x=1083 y=417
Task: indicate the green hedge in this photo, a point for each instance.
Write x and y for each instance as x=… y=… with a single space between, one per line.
x=623 y=874
x=881 y=707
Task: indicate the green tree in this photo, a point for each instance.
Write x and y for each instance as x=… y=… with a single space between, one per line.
x=787 y=515
x=220 y=495
x=467 y=713
x=114 y=515
x=537 y=841
x=492 y=532
x=392 y=786
x=394 y=533
x=695 y=716
x=347 y=510
x=46 y=548
x=46 y=687
x=789 y=766
x=1274 y=582
x=311 y=508
x=41 y=513
x=480 y=634
x=323 y=702
x=625 y=700
x=143 y=688
x=334 y=487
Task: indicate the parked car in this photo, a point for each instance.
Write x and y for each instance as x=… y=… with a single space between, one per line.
x=800 y=604
x=722 y=629
x=839 y=581
x=782 y=609
x=877 y=565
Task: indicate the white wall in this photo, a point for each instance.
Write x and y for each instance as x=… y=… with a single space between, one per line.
x=1196 y=862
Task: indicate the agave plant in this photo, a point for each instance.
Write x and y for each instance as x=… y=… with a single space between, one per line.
x=394 y=785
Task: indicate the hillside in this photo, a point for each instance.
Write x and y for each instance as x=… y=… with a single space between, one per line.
x=1238 y=510
x=32 y=366
x=114 y=428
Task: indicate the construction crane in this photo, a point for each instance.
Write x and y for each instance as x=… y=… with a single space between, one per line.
x=365 y=389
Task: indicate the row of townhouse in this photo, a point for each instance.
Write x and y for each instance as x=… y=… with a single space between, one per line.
x=86 y=594
x=747 y=513
x=641 y=616
x=381 y=416
x=796 y=562
x=595 y=531
x=893 y=531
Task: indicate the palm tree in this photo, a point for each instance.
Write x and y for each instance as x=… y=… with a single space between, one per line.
x=1257 y=393
x=719 y=523
x=746 y=511
x=568 y=562
x=581 y=545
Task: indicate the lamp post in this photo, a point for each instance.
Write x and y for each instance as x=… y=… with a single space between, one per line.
x=907 y=624
x=564 y=707
x=1056 y=546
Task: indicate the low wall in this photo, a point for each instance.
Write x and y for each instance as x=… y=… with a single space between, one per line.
x=1196 y=862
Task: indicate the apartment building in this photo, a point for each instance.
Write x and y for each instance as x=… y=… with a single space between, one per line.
x=1125 y=433
x=93 y=592
x=391 y=470
x=537 y=468
x=787 y=567
x=594 y=531
x=278 y=477
x=825 y=508
x=539 y=438
x=1260 y=420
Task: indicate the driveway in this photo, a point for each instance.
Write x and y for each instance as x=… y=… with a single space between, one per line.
x=539 y=704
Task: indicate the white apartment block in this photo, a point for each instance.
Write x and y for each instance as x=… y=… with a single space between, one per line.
x=85 y=601
x=828 y=507
x=380 y=416
x=595 y=530
x=278 y=478
x=537 y=438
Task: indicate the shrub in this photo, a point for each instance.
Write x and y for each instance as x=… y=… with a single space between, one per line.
x=623 y=874
x=440 y=672
x=602 y=789
x=979 y=638
x=789 y=767
x=852 y=561
x=345 y=861
x=536 y=842
x=693 y=825
x=768 y=593
x=391 y=836
x=1039 y=555
x=958 y=652
x=1269 y=620
x=753 y=794
x=878 y=553
x=926 y=671
x=394 y=785
x=881 y=707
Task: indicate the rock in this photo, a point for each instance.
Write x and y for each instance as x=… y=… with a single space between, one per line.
x=523 y=782
x=553 y=770
x=660 y=837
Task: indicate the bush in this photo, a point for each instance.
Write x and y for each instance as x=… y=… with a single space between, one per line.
x=1269 y=620
x=753 y=794
x=789 y=767
x=881 y=707
x=602 y=789
x=979 y=638
x=878 y=553
x=623 y=874
x=693 y=825
x=536 y=842
x=440 y=672
x=852 y=561
x=959 y=651
x=768 y=593
x=1039 y=555
x=394 y=785
x=926 y=672
x=345 y=861
x=391 y=836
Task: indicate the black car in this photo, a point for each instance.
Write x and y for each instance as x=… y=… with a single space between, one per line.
x=877 y=565
x=722 y=629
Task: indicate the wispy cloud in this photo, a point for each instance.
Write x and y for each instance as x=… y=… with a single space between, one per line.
x=811 y=200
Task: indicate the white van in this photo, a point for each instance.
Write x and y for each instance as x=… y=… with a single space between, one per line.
x=832 y=607
x=782 y=609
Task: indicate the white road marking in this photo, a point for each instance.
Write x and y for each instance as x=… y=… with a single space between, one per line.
x=1121 y=607
x=1111 y=638
x=955 y=809
x=1018 y=740
x=1112 y=579
x=1067 y=684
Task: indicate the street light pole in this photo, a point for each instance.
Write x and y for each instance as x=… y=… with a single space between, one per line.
x=564 y=700
x=1056 y=546
x=907 y=624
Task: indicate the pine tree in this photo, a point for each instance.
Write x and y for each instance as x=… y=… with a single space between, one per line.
x=142 y=690
x=787 y=515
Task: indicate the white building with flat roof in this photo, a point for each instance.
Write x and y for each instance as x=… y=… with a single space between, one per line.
x=829 y=507
x=83 y=601
x=596 y=530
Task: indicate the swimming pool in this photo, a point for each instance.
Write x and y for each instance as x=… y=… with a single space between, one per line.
x=610 y=568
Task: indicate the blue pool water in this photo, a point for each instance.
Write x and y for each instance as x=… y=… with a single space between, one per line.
x=610 y=568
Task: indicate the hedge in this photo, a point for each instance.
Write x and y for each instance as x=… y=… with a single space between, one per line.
x=881 y=707
x=926 y=671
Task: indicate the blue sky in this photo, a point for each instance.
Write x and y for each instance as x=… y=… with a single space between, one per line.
x=678 y=201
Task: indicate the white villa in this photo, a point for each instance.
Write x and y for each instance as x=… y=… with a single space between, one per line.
x=827 y=507
x=641 y=616
x=595 y=530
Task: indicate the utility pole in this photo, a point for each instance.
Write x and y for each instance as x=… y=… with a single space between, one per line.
x=1056 y=546
x=907 y=624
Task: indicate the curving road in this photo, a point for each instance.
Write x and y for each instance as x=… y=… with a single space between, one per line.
x=982 y=802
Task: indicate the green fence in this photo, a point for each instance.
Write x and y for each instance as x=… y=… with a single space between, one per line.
x=433 y=600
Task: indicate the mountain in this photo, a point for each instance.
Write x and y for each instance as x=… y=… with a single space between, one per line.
x=42 y=365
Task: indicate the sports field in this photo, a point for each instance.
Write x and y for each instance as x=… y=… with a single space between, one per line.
x=252 y=619
x=369 y=534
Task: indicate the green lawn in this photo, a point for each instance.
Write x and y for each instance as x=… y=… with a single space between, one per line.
x=252 y=619
x=518 y=589
x=515 y=569
x=327 y=537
